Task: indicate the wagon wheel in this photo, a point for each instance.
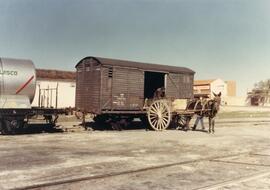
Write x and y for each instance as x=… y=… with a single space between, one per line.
x=159 y=115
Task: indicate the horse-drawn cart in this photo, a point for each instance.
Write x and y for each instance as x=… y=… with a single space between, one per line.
x=162 y=113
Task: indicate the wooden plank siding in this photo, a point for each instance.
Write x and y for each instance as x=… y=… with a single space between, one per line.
x=127 y=89
x=179 y=86
x=88 y=87
x=106 y=88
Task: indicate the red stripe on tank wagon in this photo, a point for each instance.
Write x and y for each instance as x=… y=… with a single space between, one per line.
x=24 y=85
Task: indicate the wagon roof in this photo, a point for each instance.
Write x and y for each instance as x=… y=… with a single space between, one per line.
x=140 y=65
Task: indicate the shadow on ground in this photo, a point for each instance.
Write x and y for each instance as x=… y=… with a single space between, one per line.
x=108 y=127
x=38 y=128
x=132 y=126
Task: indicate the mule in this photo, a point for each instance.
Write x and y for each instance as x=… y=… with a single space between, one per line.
x=213 y=108
x=207 y=108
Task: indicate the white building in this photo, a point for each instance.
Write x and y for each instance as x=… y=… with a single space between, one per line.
x=55 y=89
x=227 y=89
x=208 y=87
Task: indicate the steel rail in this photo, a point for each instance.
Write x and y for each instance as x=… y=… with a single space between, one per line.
x=235 y=181
x=113 y=174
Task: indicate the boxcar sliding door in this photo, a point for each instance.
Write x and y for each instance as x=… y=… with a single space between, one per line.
x=122 y=88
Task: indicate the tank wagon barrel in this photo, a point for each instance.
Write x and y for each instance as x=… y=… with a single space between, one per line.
x=17 y=83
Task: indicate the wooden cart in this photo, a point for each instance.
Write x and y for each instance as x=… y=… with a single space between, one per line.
x=162 y=113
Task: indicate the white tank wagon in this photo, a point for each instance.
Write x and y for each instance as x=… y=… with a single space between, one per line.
x=17 y=91
x=17 y=83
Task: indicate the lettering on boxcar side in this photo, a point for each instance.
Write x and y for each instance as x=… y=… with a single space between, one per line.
x=120 y=100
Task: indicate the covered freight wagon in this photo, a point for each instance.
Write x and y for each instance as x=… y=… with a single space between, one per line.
x=111 y=88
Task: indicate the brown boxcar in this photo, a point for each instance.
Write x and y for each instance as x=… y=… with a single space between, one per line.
x=111 y=86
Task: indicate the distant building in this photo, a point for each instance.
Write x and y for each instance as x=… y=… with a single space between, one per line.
x=55 y=88
x=231 y=88
x=227 y=89
x=208 y=87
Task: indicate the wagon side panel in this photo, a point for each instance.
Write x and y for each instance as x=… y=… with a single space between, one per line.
x=179 y=86
x=106 y=88
x=135 y=89
x=172 y=86
x=88 y=86
x=127 y=89
x=186 y=86
x=189 y=86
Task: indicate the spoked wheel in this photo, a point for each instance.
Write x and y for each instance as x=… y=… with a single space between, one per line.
x=159 y=115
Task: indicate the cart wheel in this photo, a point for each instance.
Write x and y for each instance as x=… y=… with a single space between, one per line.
x=159 y=115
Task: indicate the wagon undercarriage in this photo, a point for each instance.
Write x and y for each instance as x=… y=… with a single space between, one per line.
x=12 y=120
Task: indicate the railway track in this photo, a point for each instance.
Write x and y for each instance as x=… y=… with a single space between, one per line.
x=235 y=181
x=240 y=179
x=108 y=175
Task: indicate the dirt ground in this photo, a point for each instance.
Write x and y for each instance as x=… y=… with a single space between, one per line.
x=237 y=156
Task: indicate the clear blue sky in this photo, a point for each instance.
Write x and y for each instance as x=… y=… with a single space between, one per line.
x=228 y=39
